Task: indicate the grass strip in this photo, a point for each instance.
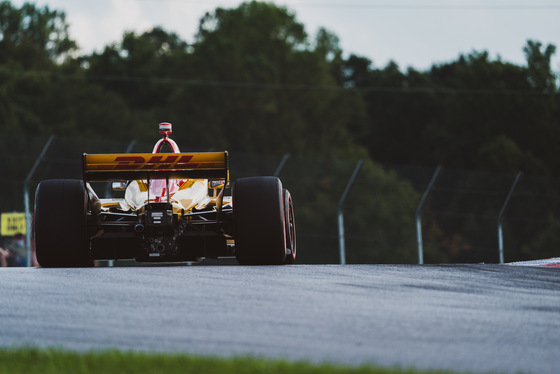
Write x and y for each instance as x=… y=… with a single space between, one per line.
x=57 y=361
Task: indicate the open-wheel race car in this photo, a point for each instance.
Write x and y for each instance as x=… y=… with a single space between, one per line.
x=174 y=209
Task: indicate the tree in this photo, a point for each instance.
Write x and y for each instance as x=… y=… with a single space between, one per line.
x=144 y=69
x=42 y=87
x=545 y=244
x=33 y=37
x=263 y=88
x=541 y=76
x=380 y=218
x=503 y=154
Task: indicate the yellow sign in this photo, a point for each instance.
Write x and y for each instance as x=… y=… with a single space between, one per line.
x=12 y=224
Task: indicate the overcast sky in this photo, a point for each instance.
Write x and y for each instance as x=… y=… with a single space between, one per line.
x=415 y=33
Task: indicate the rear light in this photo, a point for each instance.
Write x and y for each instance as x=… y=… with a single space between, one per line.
x=165 y=128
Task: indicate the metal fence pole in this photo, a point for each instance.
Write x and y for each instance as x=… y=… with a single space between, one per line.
x=419 y=216
x=130 y=146
x=109 y=185
x=341 y=238
x=111 y=263
x=501 y=216
x=28 y=214
x=281 y=165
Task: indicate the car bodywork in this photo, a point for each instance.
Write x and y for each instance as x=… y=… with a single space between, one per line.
x=173 y=207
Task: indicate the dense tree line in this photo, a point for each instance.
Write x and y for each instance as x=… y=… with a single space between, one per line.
x=236 y=85
x=254 y=81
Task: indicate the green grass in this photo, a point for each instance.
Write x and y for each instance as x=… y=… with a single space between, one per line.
x=51 y=361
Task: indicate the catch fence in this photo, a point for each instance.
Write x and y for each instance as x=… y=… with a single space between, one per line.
x=459 y=218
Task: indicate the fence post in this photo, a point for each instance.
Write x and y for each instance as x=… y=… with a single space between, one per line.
x=130 y=146
x=501 y=216
x=419 y=216
x=109 y=187
x=28 y=215
x=282 y=164
x=341 y=239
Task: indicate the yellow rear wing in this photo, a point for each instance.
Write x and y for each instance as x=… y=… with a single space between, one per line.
x=121 y=167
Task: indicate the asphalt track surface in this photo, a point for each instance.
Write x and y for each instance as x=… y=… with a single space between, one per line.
x=476 y=318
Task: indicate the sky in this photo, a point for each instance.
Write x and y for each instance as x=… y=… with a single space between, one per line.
x=412 y=33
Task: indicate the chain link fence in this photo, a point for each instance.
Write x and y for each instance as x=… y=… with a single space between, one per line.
x=459 y=219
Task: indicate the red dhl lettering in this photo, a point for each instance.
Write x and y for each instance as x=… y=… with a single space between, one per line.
x=155 y=162
x=128 y=162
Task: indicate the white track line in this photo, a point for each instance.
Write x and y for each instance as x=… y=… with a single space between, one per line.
x=552 y=262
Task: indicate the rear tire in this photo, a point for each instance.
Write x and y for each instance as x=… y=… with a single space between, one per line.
x=258 y=217
x=61 y=238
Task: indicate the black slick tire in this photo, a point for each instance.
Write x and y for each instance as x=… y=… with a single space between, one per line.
x=61 y=238
x=258 y=217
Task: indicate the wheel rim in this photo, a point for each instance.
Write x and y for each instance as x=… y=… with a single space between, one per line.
x=290 y=228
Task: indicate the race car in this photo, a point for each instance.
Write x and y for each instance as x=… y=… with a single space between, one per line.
x=173 y=208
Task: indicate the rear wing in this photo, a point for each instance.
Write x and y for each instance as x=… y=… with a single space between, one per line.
x=121 y=167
